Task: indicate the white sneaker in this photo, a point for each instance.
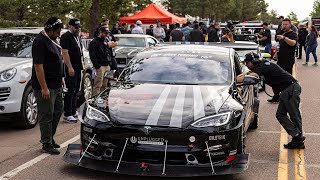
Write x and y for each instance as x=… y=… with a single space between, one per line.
x=76 y=115
x=70 y=119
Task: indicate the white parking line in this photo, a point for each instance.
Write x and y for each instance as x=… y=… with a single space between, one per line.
x=15 y=171
x=278 y=132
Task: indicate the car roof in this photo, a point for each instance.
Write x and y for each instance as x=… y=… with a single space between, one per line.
x=132 y=35
x=236 y=45
x=189 y=49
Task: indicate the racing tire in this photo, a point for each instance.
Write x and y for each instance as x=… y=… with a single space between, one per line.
x=28 y=112
x=254 y=124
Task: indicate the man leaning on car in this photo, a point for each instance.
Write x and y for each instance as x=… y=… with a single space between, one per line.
x=101 y=59
x=72 y=55
x=47 y=72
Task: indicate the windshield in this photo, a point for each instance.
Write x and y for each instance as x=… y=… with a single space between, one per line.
x=131 y=41
x=16 y=45
x=180 y=70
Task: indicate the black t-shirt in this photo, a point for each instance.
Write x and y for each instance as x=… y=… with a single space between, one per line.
x=286 y=54
x=196 y=36
x=266 y=33
x=45 y=52
x=274 y=75
x=68 y=41
x=177 y=35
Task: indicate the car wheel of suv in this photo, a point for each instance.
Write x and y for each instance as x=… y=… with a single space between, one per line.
x=87 y=86
x=29 y=109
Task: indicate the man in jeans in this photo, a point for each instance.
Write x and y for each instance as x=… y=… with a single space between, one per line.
x=72 y=55
x=47 y=72
x=101 y=59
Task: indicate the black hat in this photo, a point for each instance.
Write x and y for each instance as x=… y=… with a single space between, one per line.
x=74 y=22
x=280 y=17
x=158 y=21
x=104 y=29
x=251 y=56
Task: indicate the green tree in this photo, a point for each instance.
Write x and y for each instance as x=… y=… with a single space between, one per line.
x=316 y=9
x=292 y=16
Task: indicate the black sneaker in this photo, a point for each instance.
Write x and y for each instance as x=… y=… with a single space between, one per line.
x=48 y=148
x=296 y=143
x=294 y=146
x=273 y=100
x=55 y=145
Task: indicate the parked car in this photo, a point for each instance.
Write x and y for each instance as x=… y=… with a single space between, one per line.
x=16 y=96
x=176 y=111
x=130 y=45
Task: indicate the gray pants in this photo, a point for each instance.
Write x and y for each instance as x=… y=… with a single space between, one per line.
x=49 y=113
x=289 y=103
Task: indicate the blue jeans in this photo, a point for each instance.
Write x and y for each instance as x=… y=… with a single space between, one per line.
x=312 y=49
x=268 y=48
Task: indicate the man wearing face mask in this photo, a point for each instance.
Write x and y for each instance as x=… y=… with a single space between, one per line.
x=72 y=56
x=100 y=55
x=47 y=72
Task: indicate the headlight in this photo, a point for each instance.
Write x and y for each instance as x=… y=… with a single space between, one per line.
x=7 y=75
x=97 y=115
x=215 y=120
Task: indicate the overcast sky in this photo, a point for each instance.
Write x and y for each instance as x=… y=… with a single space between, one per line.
x=283 y=7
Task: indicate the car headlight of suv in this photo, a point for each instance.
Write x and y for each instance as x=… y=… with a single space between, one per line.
x=214 y=120
x=8 y=74
x=95 y=114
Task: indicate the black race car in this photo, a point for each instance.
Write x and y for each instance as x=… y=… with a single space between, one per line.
x=176 y=111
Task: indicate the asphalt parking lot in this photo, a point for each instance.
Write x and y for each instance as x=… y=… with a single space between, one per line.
x=21 y=158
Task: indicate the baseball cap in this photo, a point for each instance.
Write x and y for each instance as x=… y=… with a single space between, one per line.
x=74 y=22
x=138 y=22
x=280 y=17
x=158 y=21
x=104 y=29
x=250 y=56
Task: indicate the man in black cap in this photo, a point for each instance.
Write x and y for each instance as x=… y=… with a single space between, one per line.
x=265 y=38
x=100 y=55
x=46 y=79
x=73 y=59
x=276 y=77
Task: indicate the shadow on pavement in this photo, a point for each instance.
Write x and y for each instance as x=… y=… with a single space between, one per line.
x=83 y=173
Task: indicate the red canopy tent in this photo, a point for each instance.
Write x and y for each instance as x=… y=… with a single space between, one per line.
x=150 y=14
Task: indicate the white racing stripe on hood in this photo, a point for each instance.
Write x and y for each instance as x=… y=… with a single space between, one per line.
x=198 y=103
x=157 y=108
x=177 y=112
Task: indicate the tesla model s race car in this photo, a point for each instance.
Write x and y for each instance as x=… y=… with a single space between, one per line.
x=176 y=111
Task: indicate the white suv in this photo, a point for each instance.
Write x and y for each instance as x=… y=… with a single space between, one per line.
x=16 y=95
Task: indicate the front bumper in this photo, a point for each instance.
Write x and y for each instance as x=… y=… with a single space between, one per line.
x=73 y=155
x=11 y=93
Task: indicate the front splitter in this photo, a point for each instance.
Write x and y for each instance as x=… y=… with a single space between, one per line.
x=73 y=155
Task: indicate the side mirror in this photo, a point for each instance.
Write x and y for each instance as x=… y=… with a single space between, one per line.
x=249 y=80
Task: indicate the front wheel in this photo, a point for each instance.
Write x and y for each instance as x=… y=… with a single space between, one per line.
x=29 y=111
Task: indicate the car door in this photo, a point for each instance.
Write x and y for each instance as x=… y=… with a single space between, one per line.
x=247 y=95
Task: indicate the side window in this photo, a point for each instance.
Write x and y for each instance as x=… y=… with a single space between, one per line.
x=237 y=64
x=151 y=42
